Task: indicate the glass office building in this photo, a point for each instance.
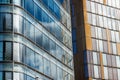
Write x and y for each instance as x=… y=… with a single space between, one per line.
x=96 y=41
x=35 y=40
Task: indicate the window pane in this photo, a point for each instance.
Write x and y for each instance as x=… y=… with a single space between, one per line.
x=46 y=67
x=54 y=71
x=39 y=62
x=1 y=51
x=8 y=75
x=30 y=57
x=1 y=76
x=29 y=6
x=8 y=50
x=38 y=36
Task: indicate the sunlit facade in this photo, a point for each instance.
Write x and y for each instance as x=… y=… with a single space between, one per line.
x=96 y=41
x=35 y=40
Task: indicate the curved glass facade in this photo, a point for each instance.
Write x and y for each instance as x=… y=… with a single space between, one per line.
x=35 y=40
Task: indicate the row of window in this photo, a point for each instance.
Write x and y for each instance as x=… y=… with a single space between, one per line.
x=107 y=59
x=102 y=33
x=103 y=9
x=17 y=76
x=51 y=5
x=22 y=26
x=6 y=21
x=18 y=50
x=103 y=21
x=100 y=45
x=36 y=11
x=95 y=72
x=27 y=56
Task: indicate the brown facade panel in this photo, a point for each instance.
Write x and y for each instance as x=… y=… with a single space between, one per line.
x=102 y=67
x=118 y=48
x=108 y=38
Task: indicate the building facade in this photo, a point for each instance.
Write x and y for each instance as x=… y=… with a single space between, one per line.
x=96 y=39
x=35 y=40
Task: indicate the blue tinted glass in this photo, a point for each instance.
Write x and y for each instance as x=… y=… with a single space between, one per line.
x=38 y=36
x=1 y=50
x=1 y=76
x=30 y=57
x=51 y=5
x=29 y=6
x=45 y=2
x=38 y=13
x=38 y=62
x=4 y=1
x=57 y=11
x=61 y=1
x=46 y=45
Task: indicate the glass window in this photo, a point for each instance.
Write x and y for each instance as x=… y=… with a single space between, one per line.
x=8 y=75
x=18 y=76
x=95 y=58
x=113 y=61
x=94 y=46
x=105 y=45
x=5 y=1
x=59 y=74
x=105 y=72
x=54 y=71
x=93 y=19
x=38 y=37
x=104 y=59
x=104 y=34
x=118 y=61
x=45 y=18
x=99 y=33
x=93 y=7
x=1 y=21
x=110 y=73
x=29 y=31
x=29 y=6
x=118 y=70
x=7 y=22
x=16 y=53
x=114 y=48
x=17 y=2
x=30 y=57
x=101 y=45
x=8 y=50
x=59 y=52
x=38 y=62
x=45 y=2
x=52 y=48
x=105 y=22
x=18 y=23
x=100 y=21
x=57 y=11
x=117 y=37
x=96 y=71
x=46 y=67
x=104 y=10
x=88 y=5
x=45 y=43
x=1 y=76
x=38 y=13
x=89 y=18
x=51 y=5
x=1 y=51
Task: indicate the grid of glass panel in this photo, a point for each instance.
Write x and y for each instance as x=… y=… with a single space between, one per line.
x=104 y=20
x=37 y=38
